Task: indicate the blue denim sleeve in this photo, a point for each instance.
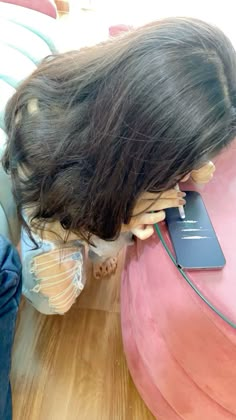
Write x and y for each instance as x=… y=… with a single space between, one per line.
x=10 y=292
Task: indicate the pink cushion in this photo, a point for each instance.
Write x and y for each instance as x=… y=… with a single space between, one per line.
x=119 y=29
x=181 y=354
x=47 y=7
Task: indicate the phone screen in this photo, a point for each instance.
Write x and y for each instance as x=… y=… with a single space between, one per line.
x=194 y=240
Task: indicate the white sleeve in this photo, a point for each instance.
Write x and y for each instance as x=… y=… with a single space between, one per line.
x=53 y=276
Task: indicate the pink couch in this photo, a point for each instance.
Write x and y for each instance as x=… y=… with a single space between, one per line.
x=181 y=353
x=47 y=7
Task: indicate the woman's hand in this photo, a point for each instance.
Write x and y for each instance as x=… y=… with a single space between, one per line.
x=150 y=207
x=149 y=210
x=203 y=174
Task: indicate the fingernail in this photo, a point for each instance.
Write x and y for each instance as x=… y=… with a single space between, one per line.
x=181 y=194
x=182 y=202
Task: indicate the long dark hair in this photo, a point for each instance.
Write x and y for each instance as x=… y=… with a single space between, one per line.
x=115 y=120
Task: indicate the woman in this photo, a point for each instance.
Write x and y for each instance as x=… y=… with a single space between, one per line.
x=99 y=138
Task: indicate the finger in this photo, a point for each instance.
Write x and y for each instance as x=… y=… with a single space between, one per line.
x=161 y=204
x=186 y=178
x=211 y=166
x=143 y=232
x=205 y=170
x=172 y=194
x=203 y=174
x=149 y=196
x=210 y=171
x=148 y=219
x=202 y=177
x=203 y=180
x=165 y=194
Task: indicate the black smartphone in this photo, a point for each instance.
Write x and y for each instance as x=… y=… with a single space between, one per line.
x=194 y=240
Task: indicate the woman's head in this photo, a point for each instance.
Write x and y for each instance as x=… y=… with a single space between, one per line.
x=110 y=122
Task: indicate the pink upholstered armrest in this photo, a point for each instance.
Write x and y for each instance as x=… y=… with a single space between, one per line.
x=47 y=7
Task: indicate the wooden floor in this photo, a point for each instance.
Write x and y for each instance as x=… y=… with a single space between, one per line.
x=72 y=367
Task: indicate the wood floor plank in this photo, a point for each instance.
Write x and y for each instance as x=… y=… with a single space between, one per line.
x=72 y=367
